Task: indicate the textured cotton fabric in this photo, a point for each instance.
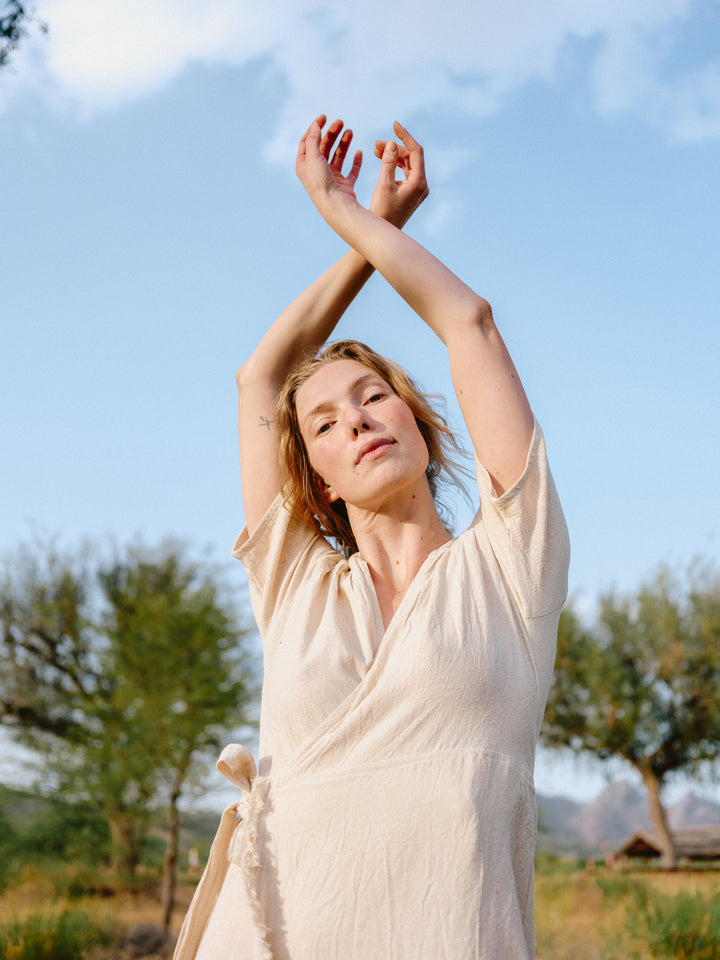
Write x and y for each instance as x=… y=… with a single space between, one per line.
x=394 y=816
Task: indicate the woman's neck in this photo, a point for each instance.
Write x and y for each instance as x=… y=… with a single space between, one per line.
x=395 y=542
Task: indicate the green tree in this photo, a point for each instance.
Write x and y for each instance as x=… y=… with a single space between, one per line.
x=14 y=22
x=642 y=683
x=122 y=674
x=179 y=671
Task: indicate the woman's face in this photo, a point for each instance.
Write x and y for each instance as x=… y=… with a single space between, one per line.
x=362 y=439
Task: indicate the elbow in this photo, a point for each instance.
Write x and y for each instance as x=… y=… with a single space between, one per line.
x=244 y=377
x=480 y=316
x=253 y=379
x=484 y=315
x=241 y=378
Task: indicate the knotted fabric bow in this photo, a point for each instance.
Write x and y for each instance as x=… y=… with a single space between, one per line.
x=237 y=765
x=235 y=842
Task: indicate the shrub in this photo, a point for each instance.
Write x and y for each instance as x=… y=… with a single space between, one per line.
x=620 y=886
x=684 y=927
x=65 y=936
x=548 y=864
x=64 y=833
x=68 y=832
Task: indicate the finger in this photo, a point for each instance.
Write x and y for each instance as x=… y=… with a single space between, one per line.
x=342 y=149
x=389 y=162
x=319 y=120
x=310 y=143
x=355 y=169
x=380 y=148
x=410 y=143
x=407 y=138
x=330 y=137
x=414 y=162
x=314 y=131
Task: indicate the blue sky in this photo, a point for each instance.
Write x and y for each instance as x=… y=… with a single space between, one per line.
x=152 y=228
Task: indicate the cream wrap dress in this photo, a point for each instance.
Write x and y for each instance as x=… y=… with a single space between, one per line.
x=393 y=814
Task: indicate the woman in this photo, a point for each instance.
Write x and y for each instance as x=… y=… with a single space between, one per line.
x=406 y=671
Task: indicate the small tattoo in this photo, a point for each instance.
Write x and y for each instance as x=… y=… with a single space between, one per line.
x=265 y=422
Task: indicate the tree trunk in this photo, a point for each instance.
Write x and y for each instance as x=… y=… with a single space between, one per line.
x=171 y=855
x=128 y=830
x=125 y=852
x=658 y=819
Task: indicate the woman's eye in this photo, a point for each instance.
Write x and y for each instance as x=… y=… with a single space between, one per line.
x=323 y=428
x=375 y=397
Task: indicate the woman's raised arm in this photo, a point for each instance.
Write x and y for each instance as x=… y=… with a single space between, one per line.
x=489 y=391
x=311 y=318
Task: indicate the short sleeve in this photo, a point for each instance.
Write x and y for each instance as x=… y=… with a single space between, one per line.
x=280 y=553
x=527 y=532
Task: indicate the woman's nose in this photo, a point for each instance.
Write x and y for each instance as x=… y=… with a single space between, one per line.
x=362 y=427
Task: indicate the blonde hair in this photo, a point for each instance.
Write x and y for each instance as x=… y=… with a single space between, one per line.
x=299 y=482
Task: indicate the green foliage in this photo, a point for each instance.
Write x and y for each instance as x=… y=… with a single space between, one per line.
x=121 y=673
x=52 y=832
x=8 y=861
x=548 y=864
x=686 y=926
x=683 y=926
x=621 y=886
x=642 y=683
x=69 y=832
x=66 y=936
x=14 y=22
x=12 y=28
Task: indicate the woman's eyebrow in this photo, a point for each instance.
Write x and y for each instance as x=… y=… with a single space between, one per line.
x=326 y=405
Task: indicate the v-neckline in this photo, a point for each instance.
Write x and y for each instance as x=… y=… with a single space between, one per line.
x=382 y=630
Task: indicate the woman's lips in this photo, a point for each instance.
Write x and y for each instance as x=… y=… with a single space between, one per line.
x=371 y=446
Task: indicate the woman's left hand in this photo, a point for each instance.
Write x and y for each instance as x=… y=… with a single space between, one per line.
x=396 y=200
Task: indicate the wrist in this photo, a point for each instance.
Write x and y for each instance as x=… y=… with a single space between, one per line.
x=339 y=210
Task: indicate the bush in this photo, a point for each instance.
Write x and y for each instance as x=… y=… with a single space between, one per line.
x=62 y=833
x=621 y=886
x=65 y=936
x=548 y=864
x=684 y=927
x=68 y=832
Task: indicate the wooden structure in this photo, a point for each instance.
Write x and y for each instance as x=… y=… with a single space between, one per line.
x=692 y=843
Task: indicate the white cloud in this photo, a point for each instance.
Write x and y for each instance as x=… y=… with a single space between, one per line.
x=102 y=52
x=388 y=58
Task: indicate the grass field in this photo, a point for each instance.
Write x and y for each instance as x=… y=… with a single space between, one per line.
x=581 y=914
x=45 y=896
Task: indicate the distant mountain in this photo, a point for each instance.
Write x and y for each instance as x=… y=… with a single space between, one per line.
x=566 y=827
x=693 y=811
x=601 y=825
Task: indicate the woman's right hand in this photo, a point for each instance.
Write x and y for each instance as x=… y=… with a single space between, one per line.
x=396 y=200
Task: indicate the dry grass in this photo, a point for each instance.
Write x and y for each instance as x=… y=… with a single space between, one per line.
x=580 y=914
x=117 y=909
x=576 y=920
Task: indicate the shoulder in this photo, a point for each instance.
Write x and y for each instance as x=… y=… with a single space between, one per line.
x=279 y=547
x=526 y=530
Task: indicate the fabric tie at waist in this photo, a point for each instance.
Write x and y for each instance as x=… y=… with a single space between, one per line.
x=237 y=838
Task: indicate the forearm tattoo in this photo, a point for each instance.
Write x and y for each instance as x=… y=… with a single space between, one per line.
x=265 y=422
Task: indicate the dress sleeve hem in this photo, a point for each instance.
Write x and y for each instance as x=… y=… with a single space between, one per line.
x=502 y=502
x=245 y=542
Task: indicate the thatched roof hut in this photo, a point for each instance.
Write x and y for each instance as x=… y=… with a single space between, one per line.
x=692 y=843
